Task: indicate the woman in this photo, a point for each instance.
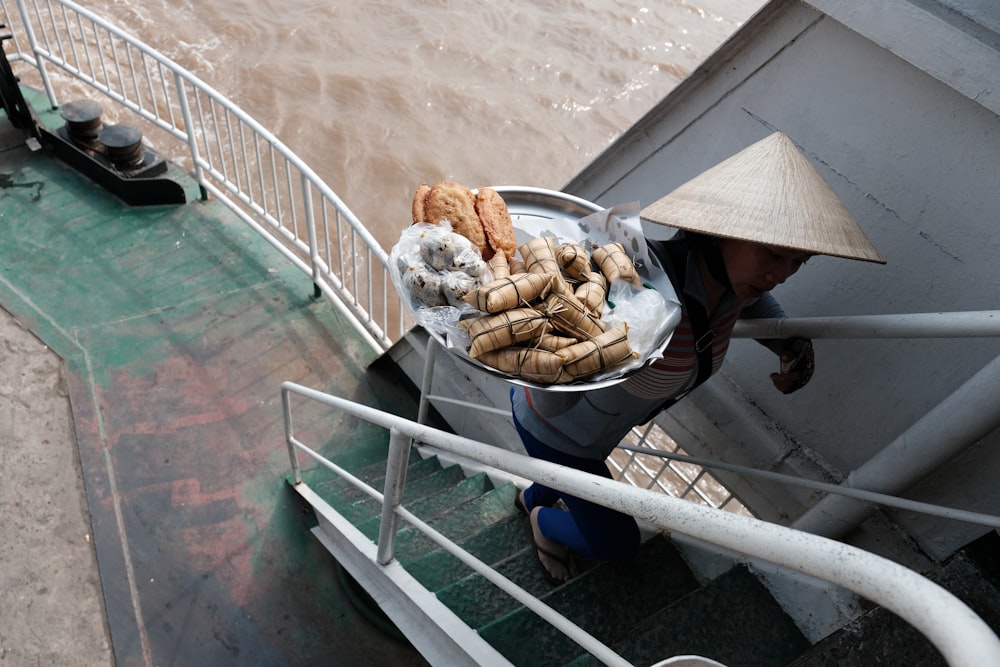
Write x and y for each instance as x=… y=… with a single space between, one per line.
x=746 y=225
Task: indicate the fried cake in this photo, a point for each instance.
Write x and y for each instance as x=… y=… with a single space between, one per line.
x=419 y=197
x=455 y=203
x=496 y=222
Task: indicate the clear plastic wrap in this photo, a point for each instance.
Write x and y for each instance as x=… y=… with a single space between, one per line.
x=646 y=312
x=432 y=268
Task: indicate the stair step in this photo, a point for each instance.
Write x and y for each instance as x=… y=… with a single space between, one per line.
x=436 y=569
x=424 y=477
x=338 y=492
x=880 y=637
x=459 y=523
x=732 y=619
x=433 y=506
x=430 y=508
x=366 y=450
x=416 y=470
x=442 y=482
x=622 y=596
x=478 y=602
x=480 y=512
x=983 y=592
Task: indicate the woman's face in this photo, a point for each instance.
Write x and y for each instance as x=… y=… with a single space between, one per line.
x=754 y=268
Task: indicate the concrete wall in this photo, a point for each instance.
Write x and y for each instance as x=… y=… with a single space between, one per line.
x=916 y=158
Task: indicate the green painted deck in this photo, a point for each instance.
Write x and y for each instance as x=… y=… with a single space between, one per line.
x=177 y=325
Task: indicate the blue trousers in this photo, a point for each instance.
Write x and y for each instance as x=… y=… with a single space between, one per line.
x=596 y=532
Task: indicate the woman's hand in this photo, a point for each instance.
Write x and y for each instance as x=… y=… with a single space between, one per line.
x=797 y=362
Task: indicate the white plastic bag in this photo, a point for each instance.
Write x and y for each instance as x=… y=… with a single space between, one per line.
x=644 y=309
x=432 y=268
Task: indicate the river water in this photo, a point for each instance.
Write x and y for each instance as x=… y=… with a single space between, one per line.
x=380 y=95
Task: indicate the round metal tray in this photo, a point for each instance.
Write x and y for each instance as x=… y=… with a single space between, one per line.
x=537 y=203
x=530 y=208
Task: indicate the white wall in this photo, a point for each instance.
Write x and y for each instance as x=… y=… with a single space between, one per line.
x=918 y=163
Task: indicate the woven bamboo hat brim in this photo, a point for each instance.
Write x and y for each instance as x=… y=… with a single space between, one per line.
x=767 y=193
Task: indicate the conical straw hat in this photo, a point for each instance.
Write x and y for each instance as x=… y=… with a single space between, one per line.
x=767 y=193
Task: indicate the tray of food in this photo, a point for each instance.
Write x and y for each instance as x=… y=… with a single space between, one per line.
x=534 y=286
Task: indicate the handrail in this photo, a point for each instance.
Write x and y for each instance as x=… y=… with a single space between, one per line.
x=265 y=183
x=915 y=325
x=954 y=629
x=961 y=324
x=399 y=448
x=874 y=497
x=233 y=157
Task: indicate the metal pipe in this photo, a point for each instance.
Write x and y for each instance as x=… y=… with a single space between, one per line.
x=395 y=480
x=465 y=404
x=969 y=324
x=286 y=408
x=430 y=356
x=37 y=53
x=862 y=495
x=965 y=417
x=955 y=630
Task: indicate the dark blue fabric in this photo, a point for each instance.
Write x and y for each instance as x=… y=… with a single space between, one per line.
x=589 y=529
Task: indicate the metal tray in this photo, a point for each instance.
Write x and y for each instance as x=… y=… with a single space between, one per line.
x=531 y=208
x=537 y=203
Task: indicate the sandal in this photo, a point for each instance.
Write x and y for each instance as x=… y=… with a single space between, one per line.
x=565 y=560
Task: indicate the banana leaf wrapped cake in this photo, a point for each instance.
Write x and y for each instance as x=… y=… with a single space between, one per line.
x=573 y=304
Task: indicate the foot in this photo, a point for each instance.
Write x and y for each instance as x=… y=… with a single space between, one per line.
x=554 y=558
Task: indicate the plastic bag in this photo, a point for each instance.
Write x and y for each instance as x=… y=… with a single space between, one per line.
x=646 y=312
x=433 y=268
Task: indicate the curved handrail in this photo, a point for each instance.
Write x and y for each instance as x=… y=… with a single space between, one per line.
x=958 y=633
x=234 y=158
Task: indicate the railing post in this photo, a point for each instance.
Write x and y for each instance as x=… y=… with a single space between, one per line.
x=192 y=142
x=425 y=382
x=307 y=206
x=39 y=61
x=395 y=479
x=286 y=406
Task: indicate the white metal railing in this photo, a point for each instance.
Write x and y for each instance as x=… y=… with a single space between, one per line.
x=962 y=324
x=863 y=495
x=232 y=156
x=635 y=460
x=954 y=629
x=271 y=189
x=686 y=477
